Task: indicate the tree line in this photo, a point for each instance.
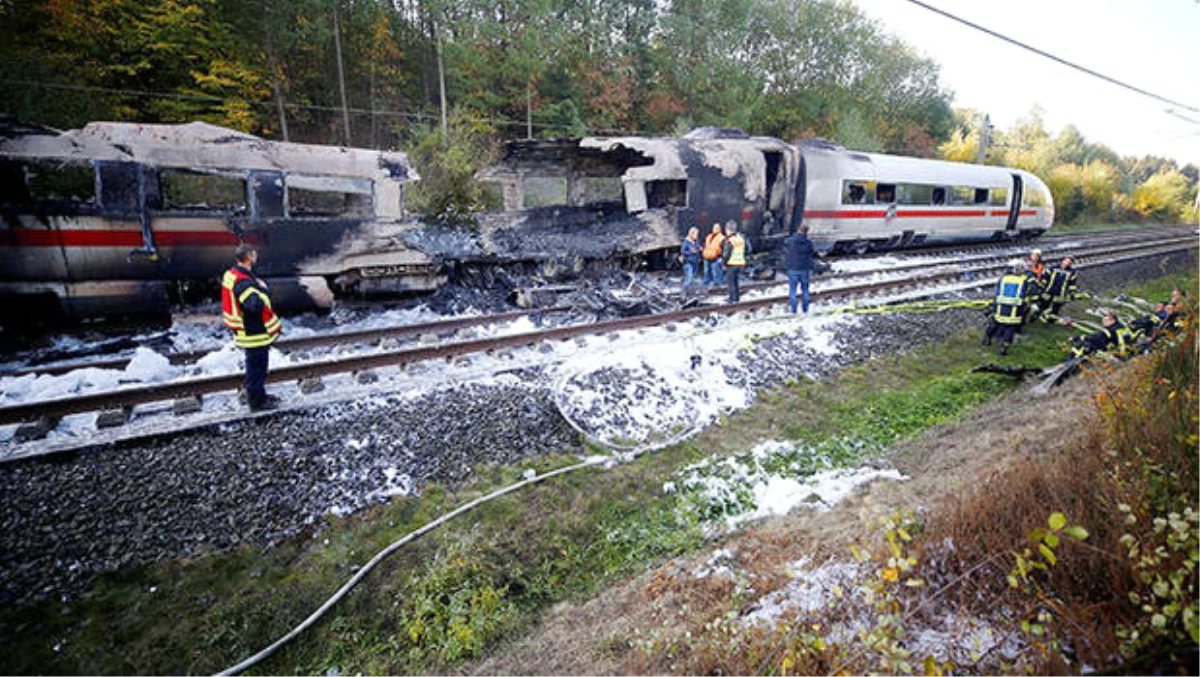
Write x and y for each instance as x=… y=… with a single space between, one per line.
x=447 y=80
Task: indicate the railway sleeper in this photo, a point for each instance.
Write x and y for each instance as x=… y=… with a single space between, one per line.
x=113 y=418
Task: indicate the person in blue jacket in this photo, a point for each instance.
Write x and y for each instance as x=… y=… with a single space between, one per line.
x=689 y=251
x=798 y=260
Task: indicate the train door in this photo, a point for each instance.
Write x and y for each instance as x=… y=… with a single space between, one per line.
x=1014 y=210
x=801 y=194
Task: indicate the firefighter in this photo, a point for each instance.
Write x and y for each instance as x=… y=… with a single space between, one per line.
x=737 y=251
x=1112 y=336
x=1062 y=285
x=1008 y=308
x=1035 y=266
x=246 y=309
x=714 y=243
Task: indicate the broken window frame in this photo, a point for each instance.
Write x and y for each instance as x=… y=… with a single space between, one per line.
x=355 y=197
x=21 y=184
x=166 y=175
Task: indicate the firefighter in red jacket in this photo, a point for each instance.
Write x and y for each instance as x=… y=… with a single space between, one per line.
x=246 y=309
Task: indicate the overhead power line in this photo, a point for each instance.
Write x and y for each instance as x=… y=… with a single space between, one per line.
x=1048 y=55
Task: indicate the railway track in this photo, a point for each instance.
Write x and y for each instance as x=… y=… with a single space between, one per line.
x=974 y=272
x=428 y=331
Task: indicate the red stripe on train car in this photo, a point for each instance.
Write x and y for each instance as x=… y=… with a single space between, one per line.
x=118 y=238
x=22 y=237
x=830 y=214
x=1028 y=212
x=1000 y=213
x=935 y=213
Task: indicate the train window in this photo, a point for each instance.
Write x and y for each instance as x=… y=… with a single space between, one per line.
x=1035 y=197
x=70 y=182
x=981 y=195
x=939 y=195
x=857 y=192
x=666 y=193
x=962 y=195
x=191 y=190
x=303 y=202
x=999 y=197
x=603 y=189
x=541 y=191
x=885 y=193
x=328 y=196
x=914 y=194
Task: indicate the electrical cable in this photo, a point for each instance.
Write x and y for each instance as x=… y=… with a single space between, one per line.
x=1050 y=56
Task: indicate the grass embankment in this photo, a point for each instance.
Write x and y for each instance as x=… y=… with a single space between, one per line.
x=491 y=573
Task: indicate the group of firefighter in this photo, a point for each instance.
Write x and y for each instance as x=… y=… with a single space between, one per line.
x=1030 y=291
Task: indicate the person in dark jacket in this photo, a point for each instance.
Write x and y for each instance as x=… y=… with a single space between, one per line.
x=798 y=260
x=690 y=252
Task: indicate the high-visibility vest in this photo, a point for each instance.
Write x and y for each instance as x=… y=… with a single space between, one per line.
x=257 y=329
x=737 y=251
x=1010 y=296
x=713 y=244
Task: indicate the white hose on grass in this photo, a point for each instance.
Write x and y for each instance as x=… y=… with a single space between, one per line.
x=621 y=453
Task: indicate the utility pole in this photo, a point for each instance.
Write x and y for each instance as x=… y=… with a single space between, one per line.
x=337 y=43
x=983 y=138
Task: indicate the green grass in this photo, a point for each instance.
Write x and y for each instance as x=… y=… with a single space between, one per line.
x=490 y=573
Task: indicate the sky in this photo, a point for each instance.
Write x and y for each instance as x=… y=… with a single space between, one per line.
x=1153 y=45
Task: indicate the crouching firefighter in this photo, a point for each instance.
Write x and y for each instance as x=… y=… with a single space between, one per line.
x=246 y=309
x=1113 y=337
x=1062 y=285
x=1008 y=313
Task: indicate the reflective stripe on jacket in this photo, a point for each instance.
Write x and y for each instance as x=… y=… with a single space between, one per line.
x=1063 y=285
x=737 y=251
x=712 y=245
x=1010 y=296
x=246 y=309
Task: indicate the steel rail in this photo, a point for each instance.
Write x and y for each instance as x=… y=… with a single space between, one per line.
x=442 y=326
x=195 y=387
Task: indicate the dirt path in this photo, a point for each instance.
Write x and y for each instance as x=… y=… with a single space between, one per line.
x=595 y=637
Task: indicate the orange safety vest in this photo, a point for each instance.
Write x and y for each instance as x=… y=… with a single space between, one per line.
x=237 y=285
x=713 y=244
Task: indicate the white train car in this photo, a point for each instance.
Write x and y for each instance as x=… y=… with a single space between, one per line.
x=861 y=202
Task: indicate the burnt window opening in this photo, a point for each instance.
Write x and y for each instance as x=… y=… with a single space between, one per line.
x=885 y=193
x=119 y=186
x=544 y=191
x=302 y=202
x=981 y=196
x=329 y=196
x=25 y=182
x=939 y=195
x=182 y=189
x=603 y=190
x=666 y=193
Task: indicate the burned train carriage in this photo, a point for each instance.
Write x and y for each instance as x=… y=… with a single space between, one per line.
x=635 y=197
x=124 y=218
x=121 y=218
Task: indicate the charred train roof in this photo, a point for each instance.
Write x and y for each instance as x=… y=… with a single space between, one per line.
x=202 y=146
